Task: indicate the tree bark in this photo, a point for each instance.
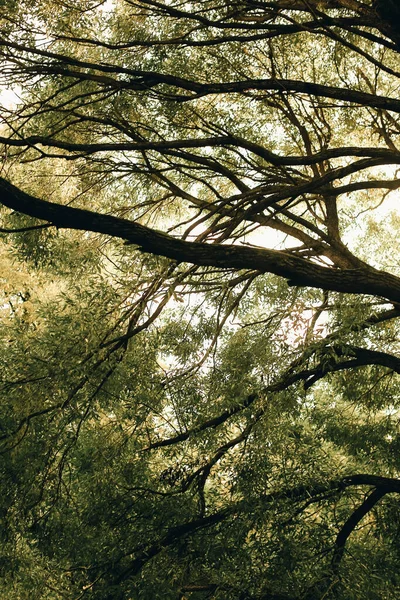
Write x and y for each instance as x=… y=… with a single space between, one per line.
x=297 y=271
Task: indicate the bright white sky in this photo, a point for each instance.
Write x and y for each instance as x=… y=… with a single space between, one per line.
x=8 y=98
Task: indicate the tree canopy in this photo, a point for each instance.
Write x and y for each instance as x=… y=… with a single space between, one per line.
x=200 y=316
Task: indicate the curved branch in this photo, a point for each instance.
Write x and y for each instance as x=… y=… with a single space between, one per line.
x=297 y=271
x=136 y=79
x=352 y=523
x=391 y=156
x=143 y=553
x=360 y=357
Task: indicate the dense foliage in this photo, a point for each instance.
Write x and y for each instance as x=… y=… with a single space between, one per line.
x=199 y=389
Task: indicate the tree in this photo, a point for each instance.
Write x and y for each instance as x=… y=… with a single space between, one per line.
x=199 y=384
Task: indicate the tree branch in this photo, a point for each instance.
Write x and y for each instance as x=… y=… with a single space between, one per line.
x=297 y=271
x=352 y=523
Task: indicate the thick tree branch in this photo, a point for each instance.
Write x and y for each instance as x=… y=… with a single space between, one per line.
x=390 y=156
x=352 y=522
x=385 y=484
x=296 y=270
x=360 y=357
x=135 y=79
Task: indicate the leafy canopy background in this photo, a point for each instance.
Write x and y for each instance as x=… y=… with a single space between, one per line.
x=200 y=299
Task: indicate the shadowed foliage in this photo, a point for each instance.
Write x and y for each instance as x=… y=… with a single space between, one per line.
x=199 y=383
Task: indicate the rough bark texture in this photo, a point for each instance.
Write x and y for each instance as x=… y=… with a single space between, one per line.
x=296 y=270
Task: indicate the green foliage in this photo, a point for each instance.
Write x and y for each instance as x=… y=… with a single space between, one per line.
x=190 y=431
